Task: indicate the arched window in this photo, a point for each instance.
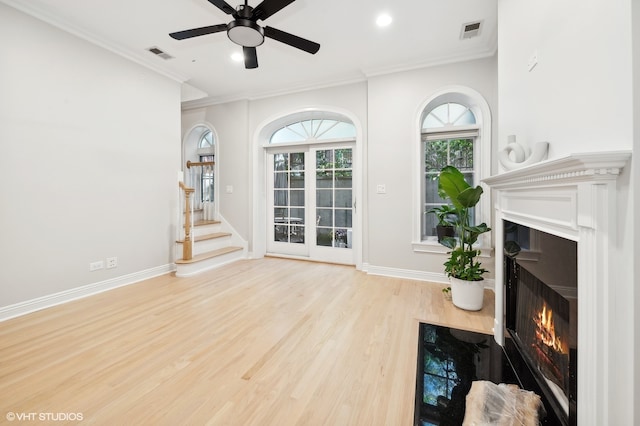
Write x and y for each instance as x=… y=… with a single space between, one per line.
x=314 y=130
x=451 y=133
x=206 y=154
x=206 y=139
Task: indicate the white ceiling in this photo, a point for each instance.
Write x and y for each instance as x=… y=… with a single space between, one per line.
x=423 y=33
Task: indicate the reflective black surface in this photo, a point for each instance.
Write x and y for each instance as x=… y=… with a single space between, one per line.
x=449 y=360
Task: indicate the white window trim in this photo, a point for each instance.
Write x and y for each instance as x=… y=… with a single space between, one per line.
x=480 y=108
x=314 y=142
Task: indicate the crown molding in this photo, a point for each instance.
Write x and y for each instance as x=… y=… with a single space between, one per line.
x=353 y=79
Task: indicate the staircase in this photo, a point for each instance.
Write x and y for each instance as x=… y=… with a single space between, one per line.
x=207 y=244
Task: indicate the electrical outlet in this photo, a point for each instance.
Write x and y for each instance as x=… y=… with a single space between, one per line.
x=94 y=266
x=112 y=262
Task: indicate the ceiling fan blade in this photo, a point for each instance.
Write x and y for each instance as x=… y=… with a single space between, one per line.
x=223 y=6
x=291 y=40
x=269 y=7
x=195 y=32
x=250 y=57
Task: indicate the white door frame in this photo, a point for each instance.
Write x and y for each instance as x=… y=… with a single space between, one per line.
x=259 y=161
x=310 y=249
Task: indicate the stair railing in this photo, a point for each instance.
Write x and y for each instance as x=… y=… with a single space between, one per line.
x=187 y=245
x=200 y=176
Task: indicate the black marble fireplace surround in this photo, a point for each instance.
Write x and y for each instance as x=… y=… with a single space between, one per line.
x=449 y=360
x=536 y=358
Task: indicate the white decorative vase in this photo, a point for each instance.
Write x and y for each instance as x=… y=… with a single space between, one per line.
x=467 y=295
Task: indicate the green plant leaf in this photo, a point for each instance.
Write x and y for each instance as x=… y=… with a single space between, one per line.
x=449 y=242
x=451 y=183
x=470 y=197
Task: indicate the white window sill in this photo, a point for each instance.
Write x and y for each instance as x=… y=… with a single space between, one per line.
x=431 y=245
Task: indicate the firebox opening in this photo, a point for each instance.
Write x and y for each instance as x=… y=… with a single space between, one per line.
x=541 y=310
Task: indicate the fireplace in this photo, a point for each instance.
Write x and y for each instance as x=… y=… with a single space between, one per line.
x=541 y=311
x=575 y=198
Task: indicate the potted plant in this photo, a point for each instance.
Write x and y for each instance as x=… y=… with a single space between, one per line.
x=462 y=267
x=445 y=215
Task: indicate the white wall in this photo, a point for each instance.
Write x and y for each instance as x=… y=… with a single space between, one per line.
x=395 y=103
x=580 y=99
x=89 y=152
x=634 y=197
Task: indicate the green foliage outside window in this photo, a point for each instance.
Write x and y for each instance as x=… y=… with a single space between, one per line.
x=454 y=152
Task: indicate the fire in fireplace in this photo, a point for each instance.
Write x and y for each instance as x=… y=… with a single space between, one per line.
x=546 y=331
x=541 y=308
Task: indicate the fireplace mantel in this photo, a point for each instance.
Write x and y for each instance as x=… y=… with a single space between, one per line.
x=574 y=197
x=586 y=167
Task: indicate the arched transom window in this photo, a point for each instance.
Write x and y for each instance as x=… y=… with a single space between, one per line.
x=314 y=130
x=206 y=140
x=449 y=114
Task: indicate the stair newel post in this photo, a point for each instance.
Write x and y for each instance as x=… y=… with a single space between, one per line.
x=187 y=253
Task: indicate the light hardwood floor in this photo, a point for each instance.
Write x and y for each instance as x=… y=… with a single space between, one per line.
x=259 y=342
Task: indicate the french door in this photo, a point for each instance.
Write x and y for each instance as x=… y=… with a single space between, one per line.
x=310 y=203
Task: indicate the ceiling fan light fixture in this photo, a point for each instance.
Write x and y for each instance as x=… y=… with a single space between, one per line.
x=245 y=32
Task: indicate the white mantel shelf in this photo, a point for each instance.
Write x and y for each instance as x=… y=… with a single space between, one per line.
x=574 y=197
x=574 y=167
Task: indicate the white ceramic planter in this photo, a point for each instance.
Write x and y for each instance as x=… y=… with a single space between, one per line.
x=467 y=295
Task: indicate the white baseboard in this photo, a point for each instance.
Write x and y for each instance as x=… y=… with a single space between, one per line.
x=23 y=308
x=408 y=274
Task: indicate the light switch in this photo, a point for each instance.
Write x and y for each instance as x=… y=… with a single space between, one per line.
x=229 y=189
x=381 y=189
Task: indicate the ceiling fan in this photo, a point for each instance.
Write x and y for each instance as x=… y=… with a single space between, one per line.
x=245 y=31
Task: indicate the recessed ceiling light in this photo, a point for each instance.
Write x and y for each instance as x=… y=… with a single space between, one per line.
x=237 y=57
x=384 y=20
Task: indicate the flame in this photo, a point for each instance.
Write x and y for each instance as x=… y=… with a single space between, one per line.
x=546 y=332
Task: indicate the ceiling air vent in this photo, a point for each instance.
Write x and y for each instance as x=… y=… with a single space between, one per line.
x=471 y=29
x=159 y=53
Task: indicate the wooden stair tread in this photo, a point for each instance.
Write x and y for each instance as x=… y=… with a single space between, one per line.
x=205 y=222
x=209 y=255
x=211 y=236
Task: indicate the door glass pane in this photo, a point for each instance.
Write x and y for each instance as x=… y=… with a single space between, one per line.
x=324 y=237
x=344 y=179
x=334 y=197
x=281 y=162
x=343 y=198
x=324 y=198
x=324 y=179
x=288 y=198
x=297 y=179
x=280 y=180
x=324 y=217
x=343 y=217
x=281 y=197
x=343 y=159
x=297 y=197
